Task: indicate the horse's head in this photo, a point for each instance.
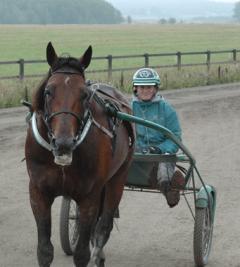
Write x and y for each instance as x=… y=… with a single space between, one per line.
x=65 y=98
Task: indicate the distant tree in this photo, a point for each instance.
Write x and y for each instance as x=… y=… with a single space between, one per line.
x=236 y=11
x=58 y=12
x=162 y=21
x=172 y=21
x=129 y=19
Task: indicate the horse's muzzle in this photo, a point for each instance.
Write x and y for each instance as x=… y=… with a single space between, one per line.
x=63 y=150
x=64 y=160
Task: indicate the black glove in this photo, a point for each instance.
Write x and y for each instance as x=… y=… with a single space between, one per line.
x=154 y=150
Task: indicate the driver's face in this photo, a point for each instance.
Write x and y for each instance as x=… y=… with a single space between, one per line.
x=145 y=92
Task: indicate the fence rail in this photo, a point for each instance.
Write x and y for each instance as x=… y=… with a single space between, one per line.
x=146 y=62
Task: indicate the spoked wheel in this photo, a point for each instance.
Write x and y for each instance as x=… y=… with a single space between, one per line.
x=203 y=230
x=69 y=225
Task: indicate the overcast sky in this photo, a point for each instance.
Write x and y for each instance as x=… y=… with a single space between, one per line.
x=179 y=9
x=159 y=1
x=227 y=1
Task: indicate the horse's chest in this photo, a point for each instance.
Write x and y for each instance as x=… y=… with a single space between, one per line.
x=76 y=185
x=61 y=181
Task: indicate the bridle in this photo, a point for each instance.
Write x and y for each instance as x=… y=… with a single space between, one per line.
x=84 y=122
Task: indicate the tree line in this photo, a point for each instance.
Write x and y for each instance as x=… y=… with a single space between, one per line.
x=58 y=12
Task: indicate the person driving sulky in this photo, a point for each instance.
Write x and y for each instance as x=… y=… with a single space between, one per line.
x=148 y=104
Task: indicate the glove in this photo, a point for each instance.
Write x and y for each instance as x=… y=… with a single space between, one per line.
x=151 y=150
x=145 y=150
x=154 y=150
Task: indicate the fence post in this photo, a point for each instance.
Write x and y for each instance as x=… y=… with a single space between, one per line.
x=208 y=62
x=219 y=72
x=21 y=69
x=109 y=58
x=179 y=60
x=146 y=63
x=166 y=80
x=26 y=93
x=121 y=80
x=234 y=55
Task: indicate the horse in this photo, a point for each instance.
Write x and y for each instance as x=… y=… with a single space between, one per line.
x=75 y=148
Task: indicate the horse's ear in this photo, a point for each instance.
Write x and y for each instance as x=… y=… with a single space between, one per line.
x=51 y=54
x=86 y=58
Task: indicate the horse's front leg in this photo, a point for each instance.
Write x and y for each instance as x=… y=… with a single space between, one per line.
x=100 y=237
x=41 y=207
x=87 y=220
x=113 y=193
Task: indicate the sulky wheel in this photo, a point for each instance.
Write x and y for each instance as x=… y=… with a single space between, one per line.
x=69 y=225
x=203 y=230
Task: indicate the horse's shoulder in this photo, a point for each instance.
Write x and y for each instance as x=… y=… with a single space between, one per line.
x=110 y=94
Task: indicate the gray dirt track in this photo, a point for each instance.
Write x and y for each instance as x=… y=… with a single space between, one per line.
x=148 y=234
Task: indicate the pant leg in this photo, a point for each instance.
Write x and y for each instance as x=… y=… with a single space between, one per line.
x=165 y=171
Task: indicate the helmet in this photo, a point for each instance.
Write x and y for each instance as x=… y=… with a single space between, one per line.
x=146 y=76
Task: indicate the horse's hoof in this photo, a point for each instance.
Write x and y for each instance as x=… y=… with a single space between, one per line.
x=102 y=263
x=96 y=263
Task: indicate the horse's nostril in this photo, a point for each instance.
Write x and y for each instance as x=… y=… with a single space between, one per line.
x=75 y=139
x=63 y=145
x=53 y=141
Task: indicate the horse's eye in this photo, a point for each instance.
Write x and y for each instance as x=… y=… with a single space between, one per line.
x=47 y=91
x=84 y=95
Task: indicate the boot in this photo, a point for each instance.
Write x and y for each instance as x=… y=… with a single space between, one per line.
x=178 y=181
x=177 y=184
x=164 y=186
x=172 y=198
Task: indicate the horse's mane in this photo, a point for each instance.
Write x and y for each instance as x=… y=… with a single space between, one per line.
x=68 y=62
x=63 y=63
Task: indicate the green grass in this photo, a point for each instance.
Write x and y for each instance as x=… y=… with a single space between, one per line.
x=29 y=42
x=12 y=91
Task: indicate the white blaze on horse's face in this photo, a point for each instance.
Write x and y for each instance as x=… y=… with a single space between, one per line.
x=67 y=80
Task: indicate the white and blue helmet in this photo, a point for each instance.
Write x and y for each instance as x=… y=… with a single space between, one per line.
x=146 y=76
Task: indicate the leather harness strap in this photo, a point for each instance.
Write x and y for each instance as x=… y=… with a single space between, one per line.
x=102 y=128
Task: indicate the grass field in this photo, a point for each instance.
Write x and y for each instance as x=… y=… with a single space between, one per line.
x=29 y=42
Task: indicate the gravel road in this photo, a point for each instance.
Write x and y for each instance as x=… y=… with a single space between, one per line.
x=148 y=234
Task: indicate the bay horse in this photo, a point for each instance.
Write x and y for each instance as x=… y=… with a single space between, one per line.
x=75 y=148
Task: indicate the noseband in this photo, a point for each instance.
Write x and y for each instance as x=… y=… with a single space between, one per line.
x=81 y=122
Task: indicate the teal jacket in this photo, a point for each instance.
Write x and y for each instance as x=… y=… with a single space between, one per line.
x=159 y=111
